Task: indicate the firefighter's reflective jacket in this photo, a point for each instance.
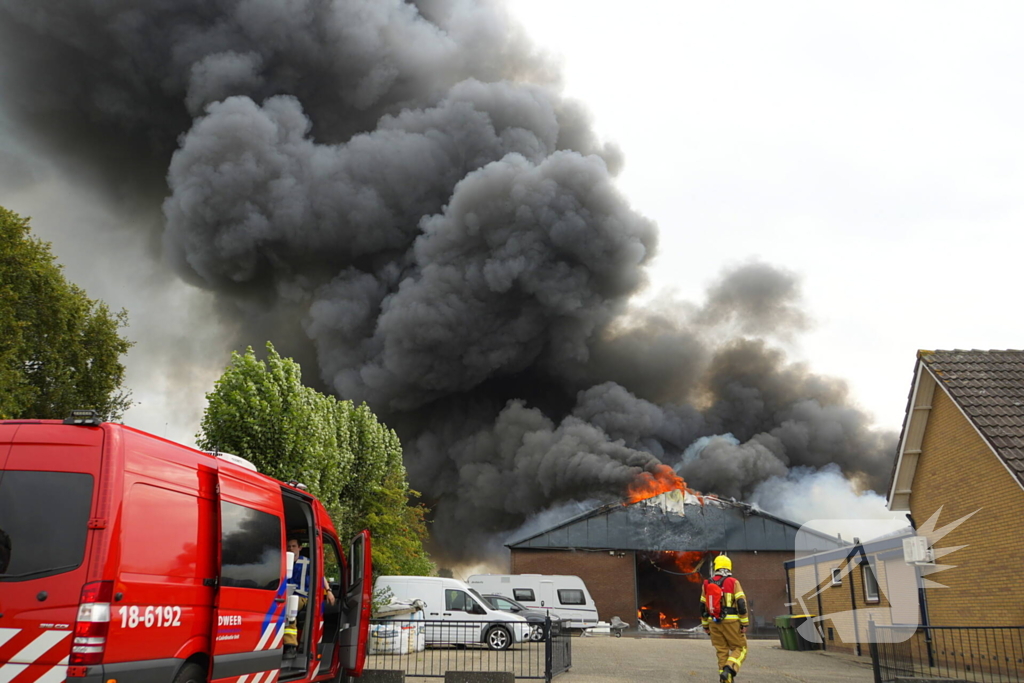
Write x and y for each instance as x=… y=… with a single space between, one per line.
x=734 y=601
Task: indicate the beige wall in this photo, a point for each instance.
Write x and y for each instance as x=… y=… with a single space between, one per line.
x=839 y=601
x=959 y=472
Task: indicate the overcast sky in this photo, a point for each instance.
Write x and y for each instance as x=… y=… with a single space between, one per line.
x=874 y=148
x=871 y=148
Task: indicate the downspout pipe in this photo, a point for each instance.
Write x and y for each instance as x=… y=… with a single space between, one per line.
x=922 y=601
x=853 y=600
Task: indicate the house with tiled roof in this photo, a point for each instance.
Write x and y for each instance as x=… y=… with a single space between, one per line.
x=961 y=455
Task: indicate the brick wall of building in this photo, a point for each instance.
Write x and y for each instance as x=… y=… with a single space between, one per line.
x=763 y=577
x=959 y=472
x=611 y=578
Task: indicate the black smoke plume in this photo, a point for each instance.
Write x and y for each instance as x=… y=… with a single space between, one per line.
x=399 y=191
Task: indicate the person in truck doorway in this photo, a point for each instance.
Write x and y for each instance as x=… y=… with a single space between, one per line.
x=723 y=614
x=299 y=581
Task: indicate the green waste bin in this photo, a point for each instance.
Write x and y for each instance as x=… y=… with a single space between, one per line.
x=802 y=643
x=787 y=636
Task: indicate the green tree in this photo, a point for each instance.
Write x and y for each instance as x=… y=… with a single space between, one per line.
x=348 y=459
x=59 y=349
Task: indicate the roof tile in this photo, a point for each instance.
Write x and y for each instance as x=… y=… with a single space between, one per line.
x=989 y=386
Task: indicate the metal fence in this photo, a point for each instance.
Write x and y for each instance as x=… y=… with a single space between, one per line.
x=979 y=654
x=427 y=649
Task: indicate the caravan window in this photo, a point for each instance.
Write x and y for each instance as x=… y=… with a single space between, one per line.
x=571 y=596
x=522 y=594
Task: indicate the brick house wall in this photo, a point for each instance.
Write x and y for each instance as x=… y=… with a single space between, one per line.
x=959 y=472
x=611 y=578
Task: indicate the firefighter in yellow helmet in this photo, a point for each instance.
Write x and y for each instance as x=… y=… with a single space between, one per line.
x=723 y=612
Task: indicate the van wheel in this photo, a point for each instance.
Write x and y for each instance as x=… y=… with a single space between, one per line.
x=191 y=673
x=498 y=638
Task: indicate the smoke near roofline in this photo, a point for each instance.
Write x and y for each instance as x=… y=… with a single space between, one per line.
x=399 y=195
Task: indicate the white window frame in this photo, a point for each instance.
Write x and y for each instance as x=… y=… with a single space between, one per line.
x=837 y=579
x=865 y=568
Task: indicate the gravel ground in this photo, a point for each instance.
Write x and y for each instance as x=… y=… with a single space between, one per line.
x=665 y=660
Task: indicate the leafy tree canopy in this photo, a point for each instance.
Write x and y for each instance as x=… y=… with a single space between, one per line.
x=59 y=349
x=261 y=411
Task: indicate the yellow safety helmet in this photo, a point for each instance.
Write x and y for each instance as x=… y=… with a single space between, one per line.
x=723 y=562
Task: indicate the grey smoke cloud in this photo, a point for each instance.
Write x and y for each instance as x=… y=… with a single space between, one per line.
x=399 y=193
x=757 y=299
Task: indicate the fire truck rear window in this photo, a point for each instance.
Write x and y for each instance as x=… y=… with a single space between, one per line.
x=38 y=537
x=250 y=548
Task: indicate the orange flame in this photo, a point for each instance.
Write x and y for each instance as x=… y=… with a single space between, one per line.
x=651 y=484
x=664 y=620
x=687 y=563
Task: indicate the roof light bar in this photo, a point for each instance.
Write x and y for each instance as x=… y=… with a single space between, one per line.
x=89 y=418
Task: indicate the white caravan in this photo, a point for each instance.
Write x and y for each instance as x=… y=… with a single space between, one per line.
x=455 y=613
x=566 y=596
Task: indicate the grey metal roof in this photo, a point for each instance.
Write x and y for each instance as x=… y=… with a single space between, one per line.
x=713 y=526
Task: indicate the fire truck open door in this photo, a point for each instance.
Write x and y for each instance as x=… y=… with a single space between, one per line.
x=249 y=613
x=356 y=605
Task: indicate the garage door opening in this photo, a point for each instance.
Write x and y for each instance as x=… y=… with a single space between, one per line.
x=668 y=588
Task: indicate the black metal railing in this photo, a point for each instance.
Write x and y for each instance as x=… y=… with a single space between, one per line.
x=428 y=649
x=979 y=654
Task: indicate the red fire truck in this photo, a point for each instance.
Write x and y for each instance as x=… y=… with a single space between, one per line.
x=126 y=557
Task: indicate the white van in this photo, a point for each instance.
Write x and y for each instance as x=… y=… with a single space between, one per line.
x=455 y=613
x=566 y=596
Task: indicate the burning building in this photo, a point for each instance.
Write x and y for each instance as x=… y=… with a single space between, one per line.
x=646 y=558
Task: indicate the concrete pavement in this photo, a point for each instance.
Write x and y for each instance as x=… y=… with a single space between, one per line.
x=664 y=660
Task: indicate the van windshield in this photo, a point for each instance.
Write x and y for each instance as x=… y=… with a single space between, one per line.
x=44 y=518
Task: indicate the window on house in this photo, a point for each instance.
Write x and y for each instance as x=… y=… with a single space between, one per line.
x=837 y=577
x=870 y=582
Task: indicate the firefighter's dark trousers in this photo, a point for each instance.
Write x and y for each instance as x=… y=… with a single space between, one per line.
x=291 y=629
x=730 y=644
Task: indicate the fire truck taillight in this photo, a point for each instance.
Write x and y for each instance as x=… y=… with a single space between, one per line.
x=93 y=623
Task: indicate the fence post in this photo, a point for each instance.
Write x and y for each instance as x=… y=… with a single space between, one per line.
x=873 y=648
x=547 y=648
